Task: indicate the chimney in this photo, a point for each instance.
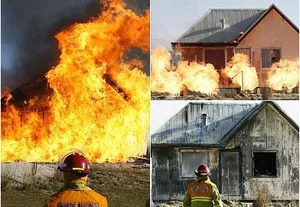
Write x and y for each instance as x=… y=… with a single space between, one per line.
x=223 y=23
x=204 y=119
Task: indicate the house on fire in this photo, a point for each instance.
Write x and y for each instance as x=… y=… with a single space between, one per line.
x=246 y=146
x=265 y=36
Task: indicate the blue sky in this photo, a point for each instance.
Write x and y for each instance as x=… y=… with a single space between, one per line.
x=170 y=18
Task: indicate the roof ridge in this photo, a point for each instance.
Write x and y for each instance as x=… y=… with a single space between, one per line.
x=261 y=9
x=250 y=13
x=262 y=16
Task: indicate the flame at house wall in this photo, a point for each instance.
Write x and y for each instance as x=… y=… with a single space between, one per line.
x=86 y=112
x=284 y=74
x=199 y=77
x=165 y=77
x=241 y=72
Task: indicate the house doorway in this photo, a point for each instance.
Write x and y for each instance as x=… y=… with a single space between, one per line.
x=230 y=173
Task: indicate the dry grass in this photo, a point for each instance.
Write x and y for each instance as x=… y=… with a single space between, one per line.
x=123 y=187
x=263 y=197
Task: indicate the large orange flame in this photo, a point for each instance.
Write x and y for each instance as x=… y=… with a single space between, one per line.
x=284 y=74
x=86 y=112
x=165 y=77
x=241 y=72
x=198 y=77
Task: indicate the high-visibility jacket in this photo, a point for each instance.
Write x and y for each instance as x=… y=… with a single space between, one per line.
x=202 y=193
x=77 y=194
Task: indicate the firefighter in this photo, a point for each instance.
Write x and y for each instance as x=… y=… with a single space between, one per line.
x=75 y=167
x=202 y=192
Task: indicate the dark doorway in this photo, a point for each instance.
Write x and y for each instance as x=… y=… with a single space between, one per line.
x=215 y=57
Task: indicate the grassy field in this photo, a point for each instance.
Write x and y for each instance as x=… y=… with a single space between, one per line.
x=123 y=187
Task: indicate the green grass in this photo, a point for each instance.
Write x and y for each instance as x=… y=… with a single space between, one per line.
x=123 y=187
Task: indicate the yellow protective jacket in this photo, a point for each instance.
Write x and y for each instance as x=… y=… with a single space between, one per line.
x=202 y=193
x=76 y=194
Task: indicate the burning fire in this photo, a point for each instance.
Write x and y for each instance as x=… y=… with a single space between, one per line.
x=100 y=102
x=241 y=72
x=199 y=78
x=165 y=77
x=284 y=74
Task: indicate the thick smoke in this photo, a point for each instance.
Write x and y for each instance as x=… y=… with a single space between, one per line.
x=29 y=48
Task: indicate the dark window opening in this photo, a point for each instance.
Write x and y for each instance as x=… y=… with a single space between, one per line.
x=265 y=164
x=270 y=56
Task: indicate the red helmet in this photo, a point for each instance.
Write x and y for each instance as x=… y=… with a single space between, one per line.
x=74 y=161
x=202 y=170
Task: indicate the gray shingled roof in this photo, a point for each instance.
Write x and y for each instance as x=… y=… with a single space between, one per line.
x=226 y=120
x=223 y=118
x=208 y=28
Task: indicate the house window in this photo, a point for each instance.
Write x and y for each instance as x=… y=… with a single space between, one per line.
x=190 y=161
x=269 y=56
x=245 y=51
x=264 y=164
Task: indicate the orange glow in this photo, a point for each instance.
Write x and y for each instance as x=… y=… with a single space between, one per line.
x=241 y=72
x=199 y=78
x=86 y=112
x=165 y=77
x=284 y=74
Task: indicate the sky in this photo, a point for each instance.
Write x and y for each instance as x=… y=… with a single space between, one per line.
x=162 y=111
x=171 y=18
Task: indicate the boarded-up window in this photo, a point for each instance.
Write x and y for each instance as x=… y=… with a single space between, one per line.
x=264 y=164
x=245 y=51
x=190 y=161
x=215 y=57
x=269 y=56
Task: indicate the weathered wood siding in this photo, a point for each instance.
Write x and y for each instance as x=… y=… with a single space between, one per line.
x=232 y=164
x=269 y=131
x=166 y=181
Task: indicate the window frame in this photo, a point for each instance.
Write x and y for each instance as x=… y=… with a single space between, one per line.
x=276 y=164
x=191 y=151
x=269 y=48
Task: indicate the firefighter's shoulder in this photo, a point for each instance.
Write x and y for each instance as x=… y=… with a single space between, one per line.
x=211 y=183
x=192 y=184
x=100 y=198
x=78 y=196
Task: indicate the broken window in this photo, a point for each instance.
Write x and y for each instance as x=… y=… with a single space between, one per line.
x=264 y=164
x=190 y=161
x=269 y=56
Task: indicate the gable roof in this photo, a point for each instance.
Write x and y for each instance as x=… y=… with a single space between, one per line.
x=214 y=135
x=208 y=30
x=252 y=114
x=265 y=14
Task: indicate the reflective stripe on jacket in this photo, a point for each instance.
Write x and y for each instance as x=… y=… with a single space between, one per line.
x=77 y=195
x=202 y=193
